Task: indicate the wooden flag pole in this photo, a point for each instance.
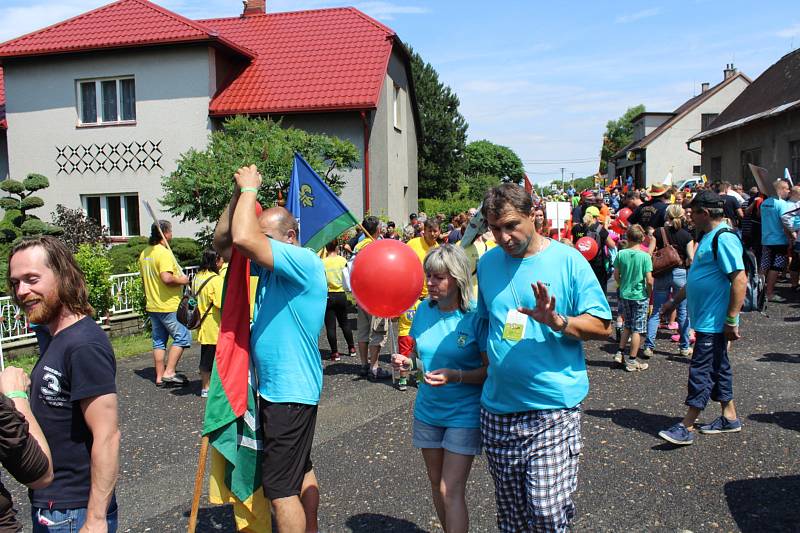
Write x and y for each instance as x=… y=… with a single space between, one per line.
x=166 y=244
x=198 y=484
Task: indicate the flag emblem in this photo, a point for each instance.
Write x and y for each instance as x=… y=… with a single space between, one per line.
x=305 y=195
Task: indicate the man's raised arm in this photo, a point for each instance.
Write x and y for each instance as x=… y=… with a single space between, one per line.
x=223 y=239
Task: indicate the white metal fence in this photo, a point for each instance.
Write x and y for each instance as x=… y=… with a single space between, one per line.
x=14 y=325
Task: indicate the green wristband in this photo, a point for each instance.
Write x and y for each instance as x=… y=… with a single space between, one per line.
x=732 y=320
x=249 y=189
x=17 y=394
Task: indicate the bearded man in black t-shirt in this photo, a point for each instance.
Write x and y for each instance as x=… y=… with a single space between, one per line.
x=73 y=389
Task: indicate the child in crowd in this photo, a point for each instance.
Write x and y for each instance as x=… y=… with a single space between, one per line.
x=633 y=271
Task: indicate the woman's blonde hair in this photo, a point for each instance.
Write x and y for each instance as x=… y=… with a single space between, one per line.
x=452 y=260
x=675 y=215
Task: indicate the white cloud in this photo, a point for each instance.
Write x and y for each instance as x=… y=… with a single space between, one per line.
x=791 y=31
x=639 y=15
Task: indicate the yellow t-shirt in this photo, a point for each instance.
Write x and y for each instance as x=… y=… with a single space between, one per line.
x=421 y=248
x=474 y=252
x=211 y=296
x=362 y=243
x=161 y=298
x=334 y=266
x=404 y=323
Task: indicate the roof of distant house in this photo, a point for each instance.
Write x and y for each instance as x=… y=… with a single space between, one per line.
x=775 y=91
x=684 y=109
x=305 y=61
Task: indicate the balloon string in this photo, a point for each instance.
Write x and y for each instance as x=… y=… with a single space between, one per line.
x=392 y=347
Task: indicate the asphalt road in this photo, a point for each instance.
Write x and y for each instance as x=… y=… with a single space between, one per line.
x=630 y=480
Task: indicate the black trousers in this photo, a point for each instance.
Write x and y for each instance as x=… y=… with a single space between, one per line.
x=337 y=311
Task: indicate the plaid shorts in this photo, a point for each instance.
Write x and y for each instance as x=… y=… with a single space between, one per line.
x=635 y=312
x=533 y=458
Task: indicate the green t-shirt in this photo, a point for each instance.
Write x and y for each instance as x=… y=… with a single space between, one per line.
x=633 y=266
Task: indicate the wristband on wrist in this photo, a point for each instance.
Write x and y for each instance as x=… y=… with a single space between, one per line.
x=249 y=189
x=17 y=394
x=731 y=320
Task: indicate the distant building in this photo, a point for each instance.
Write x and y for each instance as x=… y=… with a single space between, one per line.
x=659 y=139
x=104 y=103
x=762 y=126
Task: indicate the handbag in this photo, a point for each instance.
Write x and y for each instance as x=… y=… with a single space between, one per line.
x=665 y=258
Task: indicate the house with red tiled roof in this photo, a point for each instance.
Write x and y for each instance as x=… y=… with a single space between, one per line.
x=659 y=139
x=105 y=102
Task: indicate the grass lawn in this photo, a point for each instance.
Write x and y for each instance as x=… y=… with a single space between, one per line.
x=126 y=346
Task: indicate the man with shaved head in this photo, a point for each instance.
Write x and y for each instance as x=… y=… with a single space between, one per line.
x=290 y=309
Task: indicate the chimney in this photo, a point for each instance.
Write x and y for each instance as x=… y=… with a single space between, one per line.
x=704 y=87
x=729 y=72
x=254 y=7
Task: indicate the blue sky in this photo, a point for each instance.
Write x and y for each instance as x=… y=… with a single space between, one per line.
x=542 y=77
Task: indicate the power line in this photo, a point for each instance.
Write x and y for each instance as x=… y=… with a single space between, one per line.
x=557 y=161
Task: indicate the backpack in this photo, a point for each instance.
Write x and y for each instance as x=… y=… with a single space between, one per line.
x=188 y=313
x=600 y=258
x=755 y=299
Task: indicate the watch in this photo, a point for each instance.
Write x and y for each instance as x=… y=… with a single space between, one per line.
x=565 y=320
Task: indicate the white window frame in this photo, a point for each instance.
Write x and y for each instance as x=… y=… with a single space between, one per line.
x=104 y=218
x=397 y=106
x=98 y=94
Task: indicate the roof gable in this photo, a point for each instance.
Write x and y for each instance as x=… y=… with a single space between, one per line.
x=306 y=61
x=125 y=23
x=684 y=109
x=774 y=91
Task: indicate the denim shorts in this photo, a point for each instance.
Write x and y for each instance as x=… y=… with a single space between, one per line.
x=635 y=312
x=68 y=520
x=465 y=441
x=166 y=325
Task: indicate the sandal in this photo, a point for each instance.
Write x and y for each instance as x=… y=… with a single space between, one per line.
x=379 y=374
x=178 y=380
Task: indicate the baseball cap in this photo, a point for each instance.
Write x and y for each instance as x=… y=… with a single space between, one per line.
x=707 y=199
x=593 y=211
x=412 y=216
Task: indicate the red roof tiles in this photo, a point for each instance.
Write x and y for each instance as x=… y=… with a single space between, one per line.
x=306 y=61
x=125 y=23
x=3 y=123
x=328 y=59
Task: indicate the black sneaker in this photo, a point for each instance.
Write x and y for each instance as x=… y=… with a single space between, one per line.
x=364 y=372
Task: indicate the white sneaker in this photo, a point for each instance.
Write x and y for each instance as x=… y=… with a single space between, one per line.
x=633 y=365
x=647 y=353
x=618 y=357
x=204 y=393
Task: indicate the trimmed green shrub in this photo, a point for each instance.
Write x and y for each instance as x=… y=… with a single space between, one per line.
x=96 y=267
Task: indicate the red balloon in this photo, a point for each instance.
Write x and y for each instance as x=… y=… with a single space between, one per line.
x=587 y=246
x=624 y=214
x=386 y=278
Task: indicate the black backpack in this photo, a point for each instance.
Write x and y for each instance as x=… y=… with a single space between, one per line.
x=188 y=313
x=600 y=258
x=755 y=298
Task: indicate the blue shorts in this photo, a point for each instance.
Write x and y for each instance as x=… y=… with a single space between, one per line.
x=166 y=325
x=710 y=374
x=465 y=441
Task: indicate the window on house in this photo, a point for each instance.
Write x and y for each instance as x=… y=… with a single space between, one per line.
x=715 y=172
x=749 y=156
x=397 y=106
x=117 y=212
x=706 y=119
x=696 y=170
x=794 y=159
x=107 y=101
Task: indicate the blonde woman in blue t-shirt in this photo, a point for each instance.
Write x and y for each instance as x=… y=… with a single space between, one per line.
x=450 y=351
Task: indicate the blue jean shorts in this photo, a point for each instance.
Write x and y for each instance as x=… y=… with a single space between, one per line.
x=68 y=520
x=465 y=441
x=166 y=325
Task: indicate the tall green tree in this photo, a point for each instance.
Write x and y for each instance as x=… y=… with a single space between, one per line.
x=485 y=157
x=619 y=133
x=440 y=158
x=201 y=186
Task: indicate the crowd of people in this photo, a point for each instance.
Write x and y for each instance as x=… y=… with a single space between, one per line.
x=490 y=301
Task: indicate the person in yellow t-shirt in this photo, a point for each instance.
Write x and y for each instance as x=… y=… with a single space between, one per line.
x=482 y=244
x=163 y=287
x=371 y=330
x=336 y=311
x=421 y=245
x=207 y=285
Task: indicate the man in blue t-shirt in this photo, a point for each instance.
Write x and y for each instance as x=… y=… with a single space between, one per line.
x=714 y=292
x=541 y=299
x=73 y=389
x=774 y=237
x=290 y=309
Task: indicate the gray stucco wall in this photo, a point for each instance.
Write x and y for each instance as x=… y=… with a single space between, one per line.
x=772 y=136
x=393 y=151
x=173 y=87
x=3 y=155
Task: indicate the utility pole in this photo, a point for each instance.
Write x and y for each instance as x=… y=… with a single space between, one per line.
x=562 y=177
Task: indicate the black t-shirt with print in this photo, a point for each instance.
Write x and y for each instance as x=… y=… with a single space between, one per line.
x=680 y=239
x=76 y=364
x=651 y=214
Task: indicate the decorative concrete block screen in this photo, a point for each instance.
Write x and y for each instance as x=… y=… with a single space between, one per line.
x=107 y=157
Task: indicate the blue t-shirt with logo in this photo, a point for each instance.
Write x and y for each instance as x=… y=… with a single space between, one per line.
x=708 y=288
x=772 y=209
x=453 y=339
x=546 y=369
x=289 y=312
